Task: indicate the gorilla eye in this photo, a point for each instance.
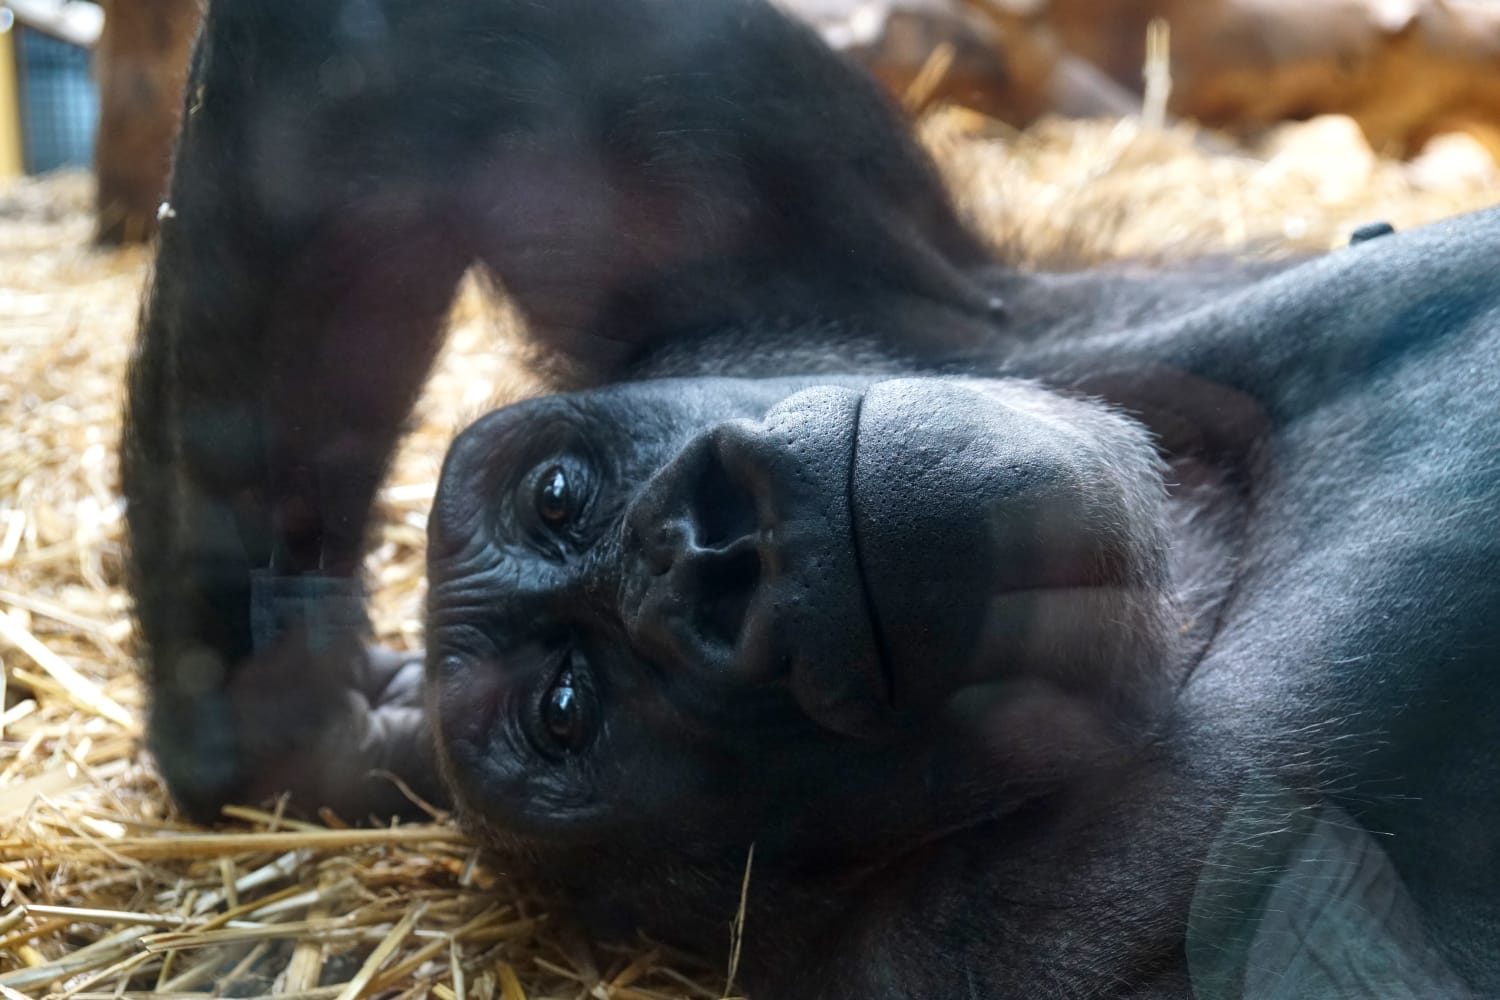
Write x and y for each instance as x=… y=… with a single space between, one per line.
x=551 y=502
x=562 y=712
x=554 y=497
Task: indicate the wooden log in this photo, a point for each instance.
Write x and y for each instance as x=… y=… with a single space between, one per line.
x=1403 y=69
x=141 y=62
x=929 y=52
x=12 y=164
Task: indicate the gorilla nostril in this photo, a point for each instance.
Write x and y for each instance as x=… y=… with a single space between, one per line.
x=727 y=585
x=724 y=510
x=699 y=541
x=667 y=539
x=725 y=545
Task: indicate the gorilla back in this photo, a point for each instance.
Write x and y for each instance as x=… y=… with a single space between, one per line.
x=1111 y=633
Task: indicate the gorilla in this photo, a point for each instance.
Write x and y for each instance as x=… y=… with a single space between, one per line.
x=1128 y=632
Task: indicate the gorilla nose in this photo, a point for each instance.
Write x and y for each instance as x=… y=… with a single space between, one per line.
x=702 y=534
x=739 y=559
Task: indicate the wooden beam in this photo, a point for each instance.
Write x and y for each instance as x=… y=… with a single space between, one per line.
x=12 y=164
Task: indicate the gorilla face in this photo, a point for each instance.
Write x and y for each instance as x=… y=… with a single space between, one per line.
x=662 y=611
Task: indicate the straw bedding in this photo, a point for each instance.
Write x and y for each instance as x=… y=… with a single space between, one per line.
x=104 y=893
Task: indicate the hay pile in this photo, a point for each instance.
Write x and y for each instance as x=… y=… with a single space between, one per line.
x=103 y=893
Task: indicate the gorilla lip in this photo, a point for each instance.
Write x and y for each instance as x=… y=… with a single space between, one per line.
x=877 y=628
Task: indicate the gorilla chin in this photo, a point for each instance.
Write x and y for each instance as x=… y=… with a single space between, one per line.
x=607 y=647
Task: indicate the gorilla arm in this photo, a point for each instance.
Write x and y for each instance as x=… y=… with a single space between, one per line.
x=288 y=327
x=630 y=185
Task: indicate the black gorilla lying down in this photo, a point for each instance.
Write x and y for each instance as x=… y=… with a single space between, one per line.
x=1111 y=633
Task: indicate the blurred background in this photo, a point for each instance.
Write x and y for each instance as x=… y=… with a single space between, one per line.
x=98 y=85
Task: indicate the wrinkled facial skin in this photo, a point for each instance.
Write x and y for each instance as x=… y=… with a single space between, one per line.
x=694 y=613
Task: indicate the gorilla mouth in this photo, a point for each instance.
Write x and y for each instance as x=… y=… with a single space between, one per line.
x=882 y=650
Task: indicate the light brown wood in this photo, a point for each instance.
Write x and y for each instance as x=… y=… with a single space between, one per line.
x=141 y=63
x=1405 y=70
x=11 y=163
